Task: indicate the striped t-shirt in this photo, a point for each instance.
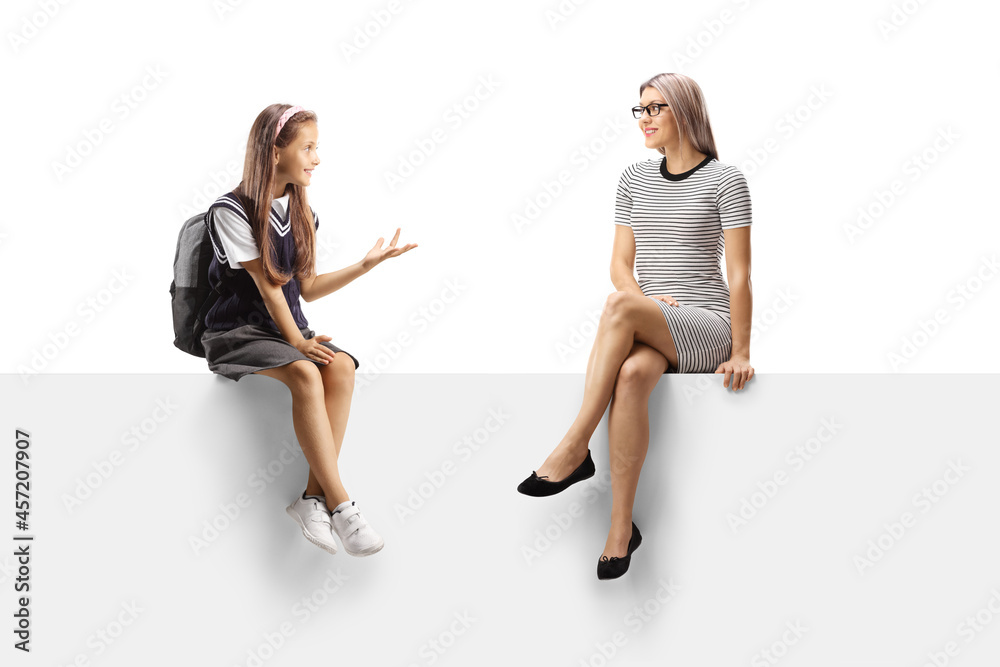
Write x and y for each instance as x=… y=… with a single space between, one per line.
x=677 y=221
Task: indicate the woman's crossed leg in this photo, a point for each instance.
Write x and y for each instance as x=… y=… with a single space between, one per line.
x=627 y=319
x=628 y=438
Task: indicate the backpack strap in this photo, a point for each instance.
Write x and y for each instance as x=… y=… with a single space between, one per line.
x=230 y=201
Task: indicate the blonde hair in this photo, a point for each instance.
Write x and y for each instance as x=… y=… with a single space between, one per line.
x=685 y=99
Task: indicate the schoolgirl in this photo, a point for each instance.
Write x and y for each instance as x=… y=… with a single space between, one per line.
x=264 y=241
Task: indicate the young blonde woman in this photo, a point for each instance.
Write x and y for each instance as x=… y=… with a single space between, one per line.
x=673 y=215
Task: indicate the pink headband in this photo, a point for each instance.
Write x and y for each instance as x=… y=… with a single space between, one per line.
x=284 y=119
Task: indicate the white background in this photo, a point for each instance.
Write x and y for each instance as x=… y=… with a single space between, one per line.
x=527 y=298
x=526 y=305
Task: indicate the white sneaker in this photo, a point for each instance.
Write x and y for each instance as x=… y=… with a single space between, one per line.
x=352 y=528
x=313 y=518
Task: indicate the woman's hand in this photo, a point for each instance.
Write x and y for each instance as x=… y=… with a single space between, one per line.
x=669 y=300
x=377 y=254
x=314 y=351
x=739 y=368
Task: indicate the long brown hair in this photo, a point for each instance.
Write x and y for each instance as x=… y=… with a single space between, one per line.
x=684 y=97
x=255 y=193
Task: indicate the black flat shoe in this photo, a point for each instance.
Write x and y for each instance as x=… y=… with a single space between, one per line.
x=541 y=486
x=614 y=567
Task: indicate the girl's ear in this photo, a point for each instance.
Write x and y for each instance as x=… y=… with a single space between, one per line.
x=275 y=155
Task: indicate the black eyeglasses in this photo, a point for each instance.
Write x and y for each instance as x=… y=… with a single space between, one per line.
x=652 y=109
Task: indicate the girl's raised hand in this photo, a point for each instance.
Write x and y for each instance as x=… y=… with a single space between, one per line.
x=377 y=254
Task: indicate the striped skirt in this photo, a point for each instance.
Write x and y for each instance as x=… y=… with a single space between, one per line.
x=703 y=338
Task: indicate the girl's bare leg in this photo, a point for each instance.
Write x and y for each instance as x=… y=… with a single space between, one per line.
x=628 y=438
x=627 y=318
x=338 y=387
x=312 y=423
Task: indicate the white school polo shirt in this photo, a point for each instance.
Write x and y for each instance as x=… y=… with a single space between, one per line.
x=236 y=235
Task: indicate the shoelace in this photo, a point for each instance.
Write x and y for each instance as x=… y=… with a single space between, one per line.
x=537 y=475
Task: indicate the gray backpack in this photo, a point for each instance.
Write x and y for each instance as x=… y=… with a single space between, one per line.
x=191 y=295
